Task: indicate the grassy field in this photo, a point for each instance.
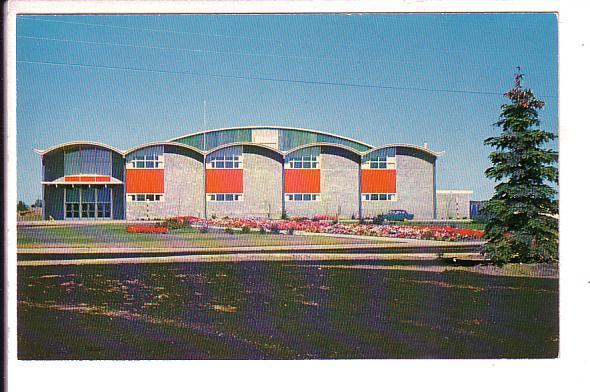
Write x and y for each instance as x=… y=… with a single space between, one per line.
x=115 y=236
x=263 y=310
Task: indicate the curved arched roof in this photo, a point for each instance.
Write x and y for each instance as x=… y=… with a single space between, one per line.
x=323 y=144
x=167 y=143
x=269 y=127
x=411 y=146
x=79 y=143
x=221 y=147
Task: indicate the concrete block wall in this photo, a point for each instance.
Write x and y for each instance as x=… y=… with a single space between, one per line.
x=415 y=183
x=453 y=204
x=415 y=186
x=184 y=190
x=339 y=186
x=340 y=170
x=263 y=187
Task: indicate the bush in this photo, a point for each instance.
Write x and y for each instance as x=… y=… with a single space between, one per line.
x=274 y=229
x=245 y=230
x=228 y=230
x=284 y=216
x=173 y=224
x=262 y=230
x=290 y=231
x=378 y=220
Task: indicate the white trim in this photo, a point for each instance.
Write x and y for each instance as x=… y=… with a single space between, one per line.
x=79 y=143
x=165 y=143
x=220 y=147
x=412 y=146
x=62 y=181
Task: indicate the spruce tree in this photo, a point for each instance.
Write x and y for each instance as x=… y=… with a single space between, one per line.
x=522 y=226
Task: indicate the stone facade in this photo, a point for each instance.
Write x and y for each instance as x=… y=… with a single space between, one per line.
x=184 y=193
x=415 y=186
x=453 y=204
x=339 y=185
x=182 y=187
x=263 y=187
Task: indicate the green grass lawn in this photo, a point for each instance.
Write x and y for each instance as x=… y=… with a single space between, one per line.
x=115 y=236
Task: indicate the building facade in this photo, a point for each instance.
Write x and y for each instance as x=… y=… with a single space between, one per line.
x=453 y=204
x=266 y=172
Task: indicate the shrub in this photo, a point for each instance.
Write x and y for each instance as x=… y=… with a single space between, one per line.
x=378 y=220
x=262 y=230
x=290 y=231
x=245 y=229
x=173 y=224
x=228 y=230
x=284 y=216
x=203 y=229
x=274 y=229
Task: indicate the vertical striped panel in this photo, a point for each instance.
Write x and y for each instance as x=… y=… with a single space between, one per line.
x=381 y=153
x=72 y=161
x=87 y=194
x=218 y=138
x=72 y=195
x=197 y=141
x=87 y=160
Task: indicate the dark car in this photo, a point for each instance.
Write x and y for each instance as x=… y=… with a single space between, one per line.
x=397 y=215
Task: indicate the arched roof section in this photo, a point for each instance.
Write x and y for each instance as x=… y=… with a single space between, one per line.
x=244 y=144
x=166 y=143
x=409 y=146
x=79 y=143
x=333 y=145
x=244 y=134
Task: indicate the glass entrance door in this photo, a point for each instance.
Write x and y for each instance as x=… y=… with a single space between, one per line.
x=88 y=202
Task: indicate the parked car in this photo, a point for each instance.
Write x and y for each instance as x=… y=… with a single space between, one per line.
x=398 y=215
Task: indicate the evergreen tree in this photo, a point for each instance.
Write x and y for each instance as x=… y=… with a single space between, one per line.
x=523 y=224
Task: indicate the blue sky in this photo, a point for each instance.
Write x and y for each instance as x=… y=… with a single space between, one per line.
x=435 y=78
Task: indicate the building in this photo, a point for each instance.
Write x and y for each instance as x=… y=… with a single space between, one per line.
x=453 y=204
x=475 y=210
x=258 y=171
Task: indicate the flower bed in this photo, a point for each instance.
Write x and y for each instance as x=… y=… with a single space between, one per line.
x=442 y=233
x=147 y=229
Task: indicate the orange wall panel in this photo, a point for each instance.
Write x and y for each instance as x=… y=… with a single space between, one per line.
x=302 y=181
x=378 y=181
x=87 y=178
x=145 y=180
x=224 y=181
